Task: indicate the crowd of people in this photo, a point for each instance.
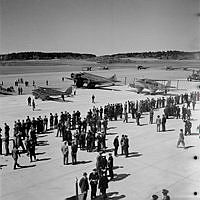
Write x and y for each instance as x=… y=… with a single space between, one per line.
x=88 y=132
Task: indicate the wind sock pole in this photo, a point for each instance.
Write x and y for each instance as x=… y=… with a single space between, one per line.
x=76 y=188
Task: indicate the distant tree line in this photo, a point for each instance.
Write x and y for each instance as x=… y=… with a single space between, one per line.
x=157 y=55
x=44 y=56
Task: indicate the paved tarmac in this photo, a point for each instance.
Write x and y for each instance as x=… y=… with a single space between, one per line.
x=154 y=162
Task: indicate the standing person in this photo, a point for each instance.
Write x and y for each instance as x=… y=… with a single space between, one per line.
x=32 y=150
x=122 y=144
x=181 y=139
x=45 y=123
x=84 y=185
x=33 y=104
x=116 y=145
x=165 y=194
x=151 y=113
x=103 y=185
x=163 y=121
x=93 y=97
x=193 y=104
x=126 y=145
x=15 y=155
x=65 y=152
x=158 y=123
x=29 y=101
x=74 y=150
x=93 y=178
x=51 y=121
x=188 y=126
x=154 y=197
x=110 y=166
x=0 y=142
x=7 y=137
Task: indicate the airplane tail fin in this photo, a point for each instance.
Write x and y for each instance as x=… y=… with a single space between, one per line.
x=168 y=84
x=113 y=78
x=68 y=91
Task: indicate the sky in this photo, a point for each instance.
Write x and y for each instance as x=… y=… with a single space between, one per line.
x=99 y=26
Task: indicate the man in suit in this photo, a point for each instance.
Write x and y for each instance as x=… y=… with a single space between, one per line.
x=84 y=185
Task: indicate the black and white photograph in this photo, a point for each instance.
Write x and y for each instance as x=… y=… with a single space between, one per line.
x=99 y=99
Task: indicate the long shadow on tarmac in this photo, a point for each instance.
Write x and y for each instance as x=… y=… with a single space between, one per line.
x=112 y=127
x=194 y=134
x=43 y=159
x=42 y=143
x=26 y=166
x=134 y=154
x=111 y=133
x=119 y=177
x=40 y=153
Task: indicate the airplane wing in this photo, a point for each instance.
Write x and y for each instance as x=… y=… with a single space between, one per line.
x=95 y=78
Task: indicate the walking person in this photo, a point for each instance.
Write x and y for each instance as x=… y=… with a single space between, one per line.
x=181 y=139
x=84 y=185
x=122 y=144
x=116 y=145
x=65 y=152
x=158 y=123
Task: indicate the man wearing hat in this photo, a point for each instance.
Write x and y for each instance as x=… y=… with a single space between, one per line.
x=165 y=195
x=84 y=185
x=110 y=166
x=154 y=197
x=93 y=178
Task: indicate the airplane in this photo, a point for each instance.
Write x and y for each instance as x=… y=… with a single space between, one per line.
x=152 y=85
x=45 y=93
x=139 y=67
x=92 y=80
x=195 y=76
x=171 y=68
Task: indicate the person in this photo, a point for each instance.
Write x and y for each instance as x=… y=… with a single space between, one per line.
x=103 y=185
x=181 y=139
x=126 y=145
x=0 y=142
x=74 y=150
x=93 y=97
x=116 y=145
x=84 y=185
x=33 y=104
x=15 y=155
x=65 y=152
x=154 y=197
x=158 y=123
x=165 y=194
x=163 y=123
x=32 y=150
x=29 y=101
x=188 y=126
x=151 y=113
x=122 y=144
x=110 y=166
x=93 y=178
x=6 y=140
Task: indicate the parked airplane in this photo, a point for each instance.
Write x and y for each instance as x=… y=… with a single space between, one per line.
x=171 y=68
x=92 y=80
x=45 y=93
x=142 y=67
x=152 y=85
x=195 y=76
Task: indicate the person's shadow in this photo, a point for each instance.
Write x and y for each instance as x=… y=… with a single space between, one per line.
x=119 y=177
